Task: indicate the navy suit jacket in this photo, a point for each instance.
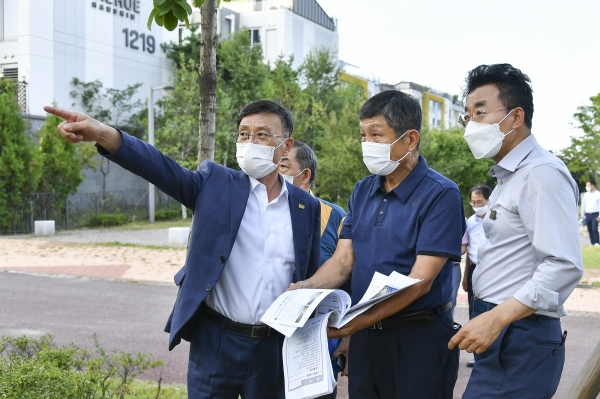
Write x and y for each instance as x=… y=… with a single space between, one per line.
x=218 y=196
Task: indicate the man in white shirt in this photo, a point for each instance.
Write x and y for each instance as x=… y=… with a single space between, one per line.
x=531 y=261
x=590 y=208
x=252 y=235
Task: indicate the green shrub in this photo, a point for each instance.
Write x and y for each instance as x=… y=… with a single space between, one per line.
x=167 y=214
x=33 y=369
x=108 y=219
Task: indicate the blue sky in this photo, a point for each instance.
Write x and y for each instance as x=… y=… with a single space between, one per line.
x=435 y=43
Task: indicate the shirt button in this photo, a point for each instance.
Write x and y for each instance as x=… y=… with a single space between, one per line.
x=381 y=213
x=385 y=200
x=208 y=287
x=501 y=181
x=222 y=259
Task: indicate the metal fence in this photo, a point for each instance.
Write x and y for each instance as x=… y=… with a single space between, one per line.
x=76 y=210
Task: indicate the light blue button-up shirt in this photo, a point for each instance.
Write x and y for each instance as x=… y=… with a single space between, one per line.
x=532 y=251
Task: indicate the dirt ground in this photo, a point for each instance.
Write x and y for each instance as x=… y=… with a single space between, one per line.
x=118 y=254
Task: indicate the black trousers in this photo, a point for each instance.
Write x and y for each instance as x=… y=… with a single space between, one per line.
x=470 y=270
x=592 y=226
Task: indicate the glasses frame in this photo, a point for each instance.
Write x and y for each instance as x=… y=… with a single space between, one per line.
x=464 y=119
x=235 y=137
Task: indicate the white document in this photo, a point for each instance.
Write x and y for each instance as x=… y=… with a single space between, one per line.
x=306 y=363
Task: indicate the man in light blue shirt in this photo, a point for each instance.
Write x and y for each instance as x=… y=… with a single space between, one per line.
x=531 y=261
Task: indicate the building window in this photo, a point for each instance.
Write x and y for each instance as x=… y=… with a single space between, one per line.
x=254 y=36
x=9 y=19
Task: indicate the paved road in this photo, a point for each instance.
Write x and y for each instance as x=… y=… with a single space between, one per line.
x=125 y=315
x=131 y=316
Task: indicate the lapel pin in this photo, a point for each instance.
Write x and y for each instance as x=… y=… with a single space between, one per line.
x=301 y=206
x=493 y=214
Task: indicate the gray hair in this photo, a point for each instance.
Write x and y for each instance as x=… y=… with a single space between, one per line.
x=306 y=158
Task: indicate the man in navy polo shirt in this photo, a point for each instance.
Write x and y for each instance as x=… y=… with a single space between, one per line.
x=407 y=218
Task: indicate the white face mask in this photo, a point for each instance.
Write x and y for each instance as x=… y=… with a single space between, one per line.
x=485 y=139
x=256 y=160
x=290 y=179
x=481 y=210
x=588 y=188
x=377 y=157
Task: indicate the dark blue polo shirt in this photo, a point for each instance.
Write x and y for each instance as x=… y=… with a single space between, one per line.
x=423 y=215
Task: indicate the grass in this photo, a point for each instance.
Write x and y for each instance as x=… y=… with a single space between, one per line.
x=148 y=389
x=126 y=244
x=145 y=225
x=591 y=257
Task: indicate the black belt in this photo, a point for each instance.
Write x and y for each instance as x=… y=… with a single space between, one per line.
x=482 y=306
x=410 y=318
x=253 y=331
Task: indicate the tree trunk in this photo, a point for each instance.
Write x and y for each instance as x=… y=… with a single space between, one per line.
x=207 y=70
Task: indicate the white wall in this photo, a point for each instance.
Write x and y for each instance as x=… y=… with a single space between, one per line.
x=295 y=35
x=62 y=39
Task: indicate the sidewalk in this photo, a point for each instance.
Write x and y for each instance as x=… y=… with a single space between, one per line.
x=97 y=253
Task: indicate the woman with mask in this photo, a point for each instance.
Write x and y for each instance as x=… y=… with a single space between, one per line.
x=480 y=195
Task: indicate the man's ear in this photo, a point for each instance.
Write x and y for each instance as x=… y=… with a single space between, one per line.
x=414 y=137
x=306 y=175
x=518 y=115
x=289 y=144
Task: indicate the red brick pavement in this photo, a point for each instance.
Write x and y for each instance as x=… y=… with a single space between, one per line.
x=104 y=271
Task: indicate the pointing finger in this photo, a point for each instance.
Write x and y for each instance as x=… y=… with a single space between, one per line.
x=63 y=113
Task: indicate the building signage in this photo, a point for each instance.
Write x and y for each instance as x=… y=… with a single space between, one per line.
x=122 y=8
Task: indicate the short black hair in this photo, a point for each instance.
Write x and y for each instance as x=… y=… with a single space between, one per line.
x=269 y=107
x=400 y=110
x=481 y=189
x=514 y=86
x=592 y=182
x=306 y=158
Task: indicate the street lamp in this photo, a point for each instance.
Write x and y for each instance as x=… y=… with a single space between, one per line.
x=151 y=141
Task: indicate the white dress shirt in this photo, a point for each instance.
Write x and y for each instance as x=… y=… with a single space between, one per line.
x=262 y=260
x=476 y=237
x=533 y=252
x=590 y=203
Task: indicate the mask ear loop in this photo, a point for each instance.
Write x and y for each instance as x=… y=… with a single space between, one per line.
x=410 y=152
x=280 y=159
x=503 y=121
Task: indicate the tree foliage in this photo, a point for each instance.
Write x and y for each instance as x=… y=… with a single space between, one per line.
x=61 y=162
x=111 y=106
x=448 y=153
x=582 y=156
x=19 y=161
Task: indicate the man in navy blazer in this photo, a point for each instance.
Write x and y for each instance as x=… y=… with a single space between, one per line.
x=252 y=235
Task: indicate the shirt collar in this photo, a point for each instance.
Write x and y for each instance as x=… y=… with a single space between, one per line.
x=514 y=158
x=405 y=189
x=284 y=190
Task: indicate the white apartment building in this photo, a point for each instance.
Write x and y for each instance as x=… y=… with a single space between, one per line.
x=281 y=27
x=440 y=109
x=44 y=44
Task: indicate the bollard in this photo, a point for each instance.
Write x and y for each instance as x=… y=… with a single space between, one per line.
x=178 y=235
x=44 y=227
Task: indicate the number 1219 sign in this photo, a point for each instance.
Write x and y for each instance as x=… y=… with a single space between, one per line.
x=132 y=37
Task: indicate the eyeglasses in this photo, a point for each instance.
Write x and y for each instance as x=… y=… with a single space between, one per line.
x=478 y=204
x=258 y=138
x=477 y=116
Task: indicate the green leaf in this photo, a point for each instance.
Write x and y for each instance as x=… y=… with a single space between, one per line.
x=159 y=2
x=179 y=12
x=198 y=3
x=164 y=8
x=185 y=5
x=171 y=21
x=151 y=18
x=159 y=20
x=187 y=22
